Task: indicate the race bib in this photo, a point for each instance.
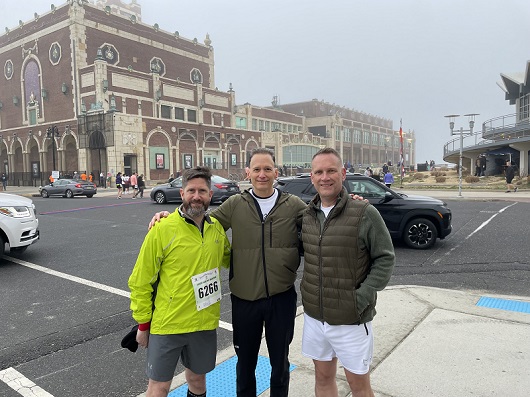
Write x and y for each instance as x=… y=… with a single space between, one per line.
x=207 y=288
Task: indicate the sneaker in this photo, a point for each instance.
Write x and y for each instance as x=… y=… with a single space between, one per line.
x=507 y=191
x=515 y=190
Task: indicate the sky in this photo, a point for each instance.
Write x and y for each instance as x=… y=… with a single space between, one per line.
x=409 y=60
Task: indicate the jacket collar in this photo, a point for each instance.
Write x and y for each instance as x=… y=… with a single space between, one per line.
x=339 y=205
x=245 y=194
x=189 y=220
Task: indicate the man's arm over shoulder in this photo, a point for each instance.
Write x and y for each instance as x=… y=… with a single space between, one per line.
x=300 y=208
x=227 y=247
x=224 y=212
x=374 y=234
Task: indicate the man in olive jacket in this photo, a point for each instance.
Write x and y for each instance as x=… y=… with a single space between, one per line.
x=348 y=257
x=265 y=258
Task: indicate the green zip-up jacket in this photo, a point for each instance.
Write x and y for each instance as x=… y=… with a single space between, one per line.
x=348 y=257
x=173 y=251
x=265 y=252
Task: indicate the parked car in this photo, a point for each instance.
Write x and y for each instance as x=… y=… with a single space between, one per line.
x=170 y=192
x=417 y=220
x=19 y=226
x=68 y=188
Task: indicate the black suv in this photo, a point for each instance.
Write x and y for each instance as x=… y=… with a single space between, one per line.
x=417 y=220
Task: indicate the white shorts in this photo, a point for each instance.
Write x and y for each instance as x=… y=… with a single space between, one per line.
x=353 y=345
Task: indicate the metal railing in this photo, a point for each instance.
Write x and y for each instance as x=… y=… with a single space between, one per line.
x=505 y=127
x=496 y=130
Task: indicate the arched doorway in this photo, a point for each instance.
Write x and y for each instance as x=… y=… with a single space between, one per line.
x=97 y=154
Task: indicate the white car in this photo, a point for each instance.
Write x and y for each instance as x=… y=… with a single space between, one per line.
x=19 y=226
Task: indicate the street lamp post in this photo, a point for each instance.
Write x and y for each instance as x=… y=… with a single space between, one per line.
x=387 y=139
x=52 y=132
x=228 y=147
x=291 y=153
x=452 y=117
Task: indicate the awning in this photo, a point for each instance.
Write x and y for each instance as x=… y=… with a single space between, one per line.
x=503 y=150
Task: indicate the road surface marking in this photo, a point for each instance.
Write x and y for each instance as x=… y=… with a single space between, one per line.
x=21 y=384
x=69 y=277
x=490 y=219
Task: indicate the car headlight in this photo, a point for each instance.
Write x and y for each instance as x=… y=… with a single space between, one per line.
x=15 y=212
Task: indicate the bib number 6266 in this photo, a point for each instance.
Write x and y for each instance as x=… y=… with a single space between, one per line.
x=208 y=289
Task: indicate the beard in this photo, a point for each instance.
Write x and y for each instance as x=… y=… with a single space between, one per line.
x=196 y=208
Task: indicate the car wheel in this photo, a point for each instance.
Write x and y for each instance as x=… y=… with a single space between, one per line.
x=68 y=194
x=89 y=195
x=160 y=198
x=2 y=245
x=420 y=233
x=44 y=193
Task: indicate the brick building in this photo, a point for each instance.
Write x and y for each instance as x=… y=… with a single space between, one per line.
x=90 y=87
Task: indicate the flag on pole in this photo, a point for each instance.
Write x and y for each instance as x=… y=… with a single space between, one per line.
x=402 y=162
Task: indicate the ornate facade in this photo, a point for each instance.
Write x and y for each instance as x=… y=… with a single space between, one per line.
x=89 y=87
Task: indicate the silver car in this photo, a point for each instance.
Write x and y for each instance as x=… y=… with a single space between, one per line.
x=68 y=188
x=170 y=192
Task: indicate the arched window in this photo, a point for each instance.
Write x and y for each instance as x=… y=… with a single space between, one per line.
x=32 y=92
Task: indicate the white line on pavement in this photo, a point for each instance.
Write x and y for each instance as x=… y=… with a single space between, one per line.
x=490 y=219
x=21 y=384
x=79 y=280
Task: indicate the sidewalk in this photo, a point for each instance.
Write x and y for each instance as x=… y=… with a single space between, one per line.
x=429 y=342
x=31 y=191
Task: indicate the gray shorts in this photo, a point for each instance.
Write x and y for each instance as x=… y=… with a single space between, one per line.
x=197 y=350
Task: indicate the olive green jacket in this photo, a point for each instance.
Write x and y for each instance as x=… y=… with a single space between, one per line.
x=265 y=252
x=348 y=257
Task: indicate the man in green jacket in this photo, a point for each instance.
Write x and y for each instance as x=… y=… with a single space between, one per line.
x=265 y=257
x=348 y=257
x=182 y=256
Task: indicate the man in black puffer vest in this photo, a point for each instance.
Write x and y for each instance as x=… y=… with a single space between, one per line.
x=348 y=256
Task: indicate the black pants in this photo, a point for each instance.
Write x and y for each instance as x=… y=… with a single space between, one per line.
x=277 y=313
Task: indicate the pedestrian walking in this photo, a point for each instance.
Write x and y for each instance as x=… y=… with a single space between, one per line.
x=119 y=184
x=388 y=178
x=510 y=174
x=134 y=183
x=185 y=254
x=348 y=257
x=126 y=183
x=4 y=181
x=109 y=179
x=102 y=179
x=141 y=186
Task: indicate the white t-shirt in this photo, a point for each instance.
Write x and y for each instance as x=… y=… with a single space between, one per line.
x=266 y=203
x=326 y=210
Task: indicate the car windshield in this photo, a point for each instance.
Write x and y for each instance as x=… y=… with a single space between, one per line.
x=366 y=188
x=219 y=179
x=177 y=182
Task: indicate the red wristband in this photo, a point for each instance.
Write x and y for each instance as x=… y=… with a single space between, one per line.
x=144 y=326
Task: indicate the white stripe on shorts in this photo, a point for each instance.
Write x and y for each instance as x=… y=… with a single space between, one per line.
x=349 y=343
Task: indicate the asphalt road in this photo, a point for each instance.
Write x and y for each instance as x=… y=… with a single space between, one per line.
x=63 y=334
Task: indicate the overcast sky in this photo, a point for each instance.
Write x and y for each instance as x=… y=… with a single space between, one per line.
x=415 y=60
